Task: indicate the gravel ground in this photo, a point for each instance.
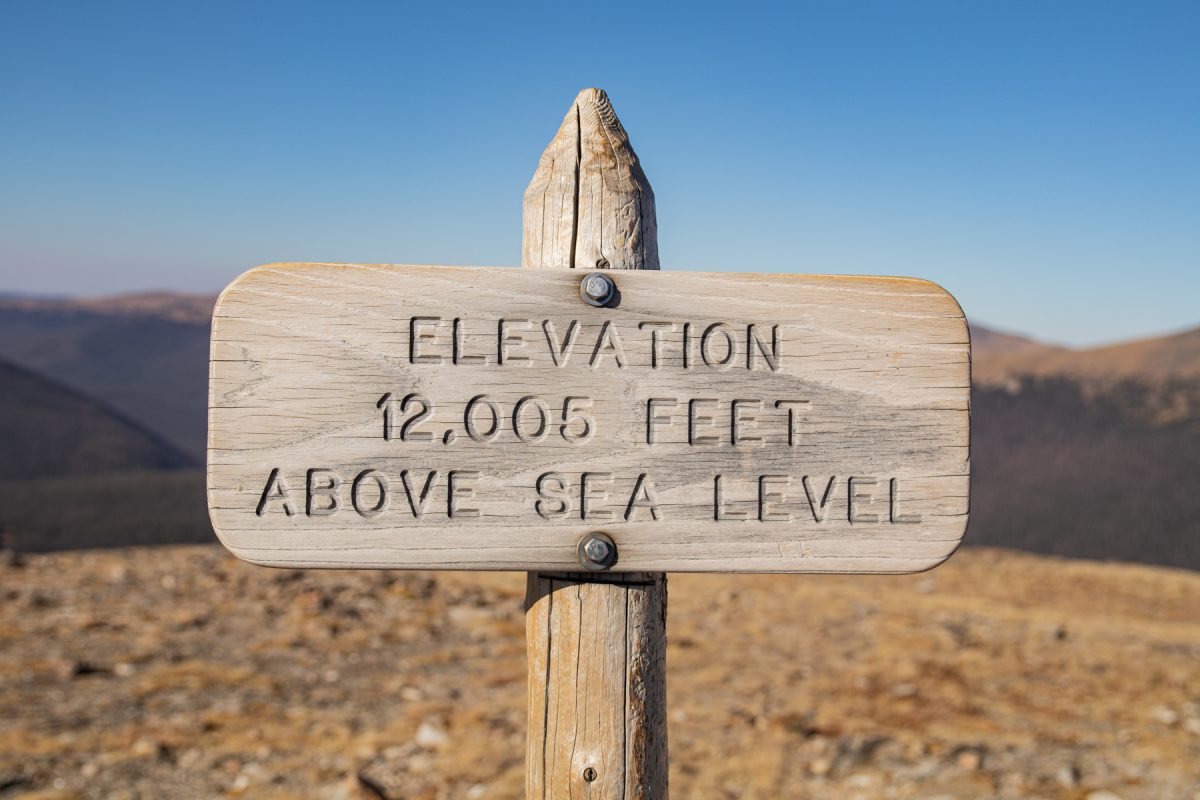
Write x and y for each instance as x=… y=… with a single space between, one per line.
x=180 y=672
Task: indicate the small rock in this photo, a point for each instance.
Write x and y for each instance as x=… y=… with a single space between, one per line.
x=430 y=735
x=1068 y=776
x=190 y=758
x=77 y=668
x=1164 y=715
x=970 y=760
x=251 y=775
x=1103 y=796
x=820 y=766
x=144 y=747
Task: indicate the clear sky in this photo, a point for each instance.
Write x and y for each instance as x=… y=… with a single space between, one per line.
x=1039 y=159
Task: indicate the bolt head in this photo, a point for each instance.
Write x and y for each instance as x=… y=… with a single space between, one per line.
x=597 y=550
x=597 y=287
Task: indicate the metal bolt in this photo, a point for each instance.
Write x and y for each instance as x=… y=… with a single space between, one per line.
x=589 y=774
x=597 y=289
x=597 y=551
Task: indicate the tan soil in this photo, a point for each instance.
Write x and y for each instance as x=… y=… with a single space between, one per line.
x=179 y=672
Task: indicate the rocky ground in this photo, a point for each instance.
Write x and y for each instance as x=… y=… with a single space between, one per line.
x=179 y=672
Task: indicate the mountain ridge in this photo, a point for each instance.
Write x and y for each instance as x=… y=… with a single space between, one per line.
x=48 y=429
x=1085 y=453
x=1152 y=358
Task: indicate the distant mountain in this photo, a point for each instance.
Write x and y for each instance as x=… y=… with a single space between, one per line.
x=990 y=344
x=174 y=306
x=1091 y=453
x=1155 y=359
x=50 y=430
x=1088 y=453
x=146 y=355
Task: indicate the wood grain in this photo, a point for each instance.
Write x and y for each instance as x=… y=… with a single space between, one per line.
x=874 y=373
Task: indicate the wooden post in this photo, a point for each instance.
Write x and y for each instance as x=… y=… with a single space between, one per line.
x=597 y=642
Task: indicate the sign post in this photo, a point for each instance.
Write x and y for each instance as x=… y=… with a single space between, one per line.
x=593 y=422
x=596 y=642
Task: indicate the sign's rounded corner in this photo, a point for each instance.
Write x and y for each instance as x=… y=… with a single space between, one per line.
x=236 y=551
x=949 y=296
x=242 y=555
x=244 y=277
x=937 y=561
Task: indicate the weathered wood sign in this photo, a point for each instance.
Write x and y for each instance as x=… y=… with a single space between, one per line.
x=486 y=418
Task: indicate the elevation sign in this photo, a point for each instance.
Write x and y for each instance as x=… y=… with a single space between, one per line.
x=488 y=418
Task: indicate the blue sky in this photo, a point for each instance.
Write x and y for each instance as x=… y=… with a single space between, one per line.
x=1039 y=159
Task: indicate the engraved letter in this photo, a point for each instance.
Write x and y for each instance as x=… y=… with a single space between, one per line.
x=457 y=355
x=853 y=496
x=893 y=508
x=457 y=489
x=754 y=341
x=655 y=341
x=719 y=513
x=587 y=482
x=711 y=334
x=793 y=425
x=560 y=352
x=275 y=489
x=652 y=418
x=608 y=342
x=694 y=418
x=553 y=501
x=820 y=509
x=767 y=497
x=417 y=504
x=738 y=421
x=642 y=496
x=417 y=337
x=315 y=491
x=381 y=488
x=505 y=339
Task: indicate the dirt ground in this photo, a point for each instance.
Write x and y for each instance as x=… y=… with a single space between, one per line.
x=180 y=672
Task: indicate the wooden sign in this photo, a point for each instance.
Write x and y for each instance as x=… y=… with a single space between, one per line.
x=487 y=418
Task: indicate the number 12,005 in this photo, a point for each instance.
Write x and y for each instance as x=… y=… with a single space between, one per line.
x=531 y=419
